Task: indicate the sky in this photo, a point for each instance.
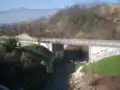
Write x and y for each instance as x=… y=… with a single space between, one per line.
x=43 y=4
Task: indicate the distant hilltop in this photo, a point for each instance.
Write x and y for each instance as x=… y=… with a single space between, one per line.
x=24 y=14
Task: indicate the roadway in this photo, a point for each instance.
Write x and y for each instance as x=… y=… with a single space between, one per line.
x=84 y=42
x=67 y=41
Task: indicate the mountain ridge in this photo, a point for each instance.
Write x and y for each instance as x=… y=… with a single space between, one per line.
x=24 y=14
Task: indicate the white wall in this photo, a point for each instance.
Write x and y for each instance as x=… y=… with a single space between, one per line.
x=65 y=46
x=47 y=45
x=32 y=40
x=97 y=53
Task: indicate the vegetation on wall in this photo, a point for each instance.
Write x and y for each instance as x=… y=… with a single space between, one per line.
x=27 y=78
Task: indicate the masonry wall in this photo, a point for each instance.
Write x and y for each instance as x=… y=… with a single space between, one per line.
x=97 y=53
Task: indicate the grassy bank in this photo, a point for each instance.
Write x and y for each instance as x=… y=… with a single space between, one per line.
x=33 y=47
x=106 y=66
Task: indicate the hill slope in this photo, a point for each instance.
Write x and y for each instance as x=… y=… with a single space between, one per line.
x=77 y=22
x=108 y=66
x=23 y=14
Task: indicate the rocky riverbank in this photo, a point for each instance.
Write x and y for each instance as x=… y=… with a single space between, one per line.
x=82 y=81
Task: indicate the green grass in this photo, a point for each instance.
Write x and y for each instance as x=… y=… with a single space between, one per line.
x=3 y=39
x=33 y=47
x=107 y=66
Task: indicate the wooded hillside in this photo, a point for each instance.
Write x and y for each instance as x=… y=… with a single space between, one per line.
x=96 y=22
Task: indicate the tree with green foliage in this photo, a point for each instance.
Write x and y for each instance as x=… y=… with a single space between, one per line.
x=32 y=75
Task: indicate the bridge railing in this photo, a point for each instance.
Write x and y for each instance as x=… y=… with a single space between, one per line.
x=85 y=42
x=98 y=44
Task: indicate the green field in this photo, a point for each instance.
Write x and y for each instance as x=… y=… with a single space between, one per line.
x=33 y=47
x=2 y=38
x=107 y=66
